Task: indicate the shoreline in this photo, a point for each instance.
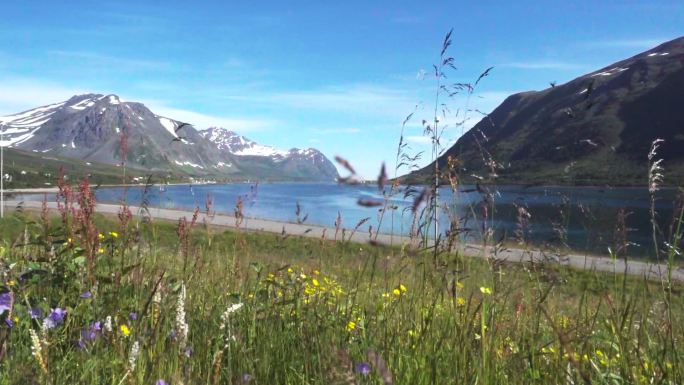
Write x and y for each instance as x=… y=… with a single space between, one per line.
x=638 y=268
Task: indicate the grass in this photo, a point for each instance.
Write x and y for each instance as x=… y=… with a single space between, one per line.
x=315 y=312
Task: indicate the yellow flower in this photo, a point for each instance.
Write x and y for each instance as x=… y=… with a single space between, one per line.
x=302 y=276
x=460 y=301
x=459 y=284
x=11 y=282
x=101 y=250
x=351 y=325
x=485 y=290
x=396 y=292
x=114 y=234
x=316 y=272
x=100 y=236
x=125 y=330
x=315 y=282
x=402 y=288
x=289 y=270
x=412 y=333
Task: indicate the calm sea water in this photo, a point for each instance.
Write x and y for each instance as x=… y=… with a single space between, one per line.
x=586 y=215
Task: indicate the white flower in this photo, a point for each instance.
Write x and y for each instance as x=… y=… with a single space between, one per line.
x=133 y=356
x=108 y=324
x=181 y=324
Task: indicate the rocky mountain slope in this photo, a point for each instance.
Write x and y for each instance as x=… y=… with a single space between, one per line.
x=595 y=129
x=102 y=128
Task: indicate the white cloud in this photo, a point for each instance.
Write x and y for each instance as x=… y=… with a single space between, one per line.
x=419 y=139
x=203 y=121
x=93 y=58
x=20 y=94
x=359 y=99
x=351 y=130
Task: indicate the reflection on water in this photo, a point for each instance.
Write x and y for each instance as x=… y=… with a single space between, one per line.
x=585 y=216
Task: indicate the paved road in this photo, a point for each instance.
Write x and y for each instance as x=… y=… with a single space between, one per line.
x=633 y=267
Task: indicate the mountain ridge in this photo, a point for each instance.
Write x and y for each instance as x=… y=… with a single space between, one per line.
x=594 y=129
x=100 y=128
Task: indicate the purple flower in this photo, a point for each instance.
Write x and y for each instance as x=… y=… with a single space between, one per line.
x=189 y=351
x=87 y=294
x=55 y=318
x=363 y=368
x=88 y=335
x=9 y=322
x=81 y=344
x=6 y=302
x=35 y=312
x=161 y=382
x=246 y=377
x=132 y=316
x=96 y=326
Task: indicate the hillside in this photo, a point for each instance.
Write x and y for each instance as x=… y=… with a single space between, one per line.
x=595 y=129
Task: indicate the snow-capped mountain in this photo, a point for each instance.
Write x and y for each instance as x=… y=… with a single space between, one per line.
x=100 y=128
x=91 y=127
x=299 y=161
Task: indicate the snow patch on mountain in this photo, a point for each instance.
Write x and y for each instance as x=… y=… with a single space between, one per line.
x=169 y=125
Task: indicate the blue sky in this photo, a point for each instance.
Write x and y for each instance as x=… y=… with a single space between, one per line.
x=338 y=76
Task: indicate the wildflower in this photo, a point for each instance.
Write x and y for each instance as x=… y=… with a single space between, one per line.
x=459 y=284
x=114 y=234
x=289 y=270
x=133 y=316
x=315 y=282
x=100 y=236
x=6 y=302
x=351 y=325
x=125 y=330
x=37 y=350
x=460 y=301
x=363 y=368
x=396 y=292
x=55 y=318
x=101 y=250
x=189 y=351
x=133 y=355
x=181 y=324
x=35 y=313
x=108 y=324
x=246 y=377
x=402 y=288
x=11 y=283
x=485 y=290
x=87 y=294
x=9 y=322
x=161 y=382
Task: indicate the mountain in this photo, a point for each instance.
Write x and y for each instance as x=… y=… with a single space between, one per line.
x=295 y=162
x=595 y=129
x=92 y=128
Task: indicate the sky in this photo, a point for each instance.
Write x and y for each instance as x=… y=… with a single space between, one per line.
x=338 y=76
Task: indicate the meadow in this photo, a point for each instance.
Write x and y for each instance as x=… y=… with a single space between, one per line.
x=90 y=299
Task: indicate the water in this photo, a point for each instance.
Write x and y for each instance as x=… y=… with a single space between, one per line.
x=583 y=217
